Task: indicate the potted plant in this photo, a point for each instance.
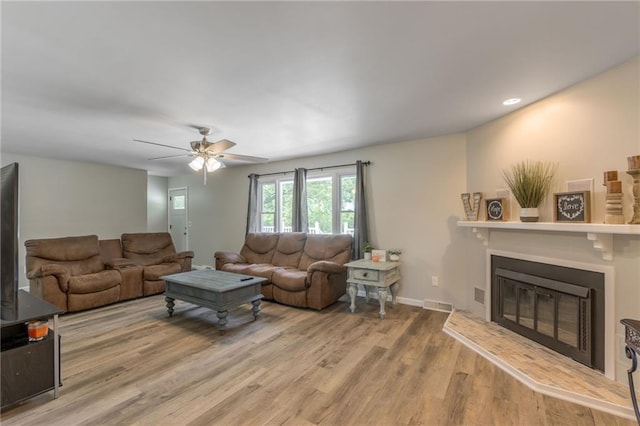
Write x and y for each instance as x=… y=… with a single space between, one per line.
x=394 y=254
x=367 y=248
x=529 y=182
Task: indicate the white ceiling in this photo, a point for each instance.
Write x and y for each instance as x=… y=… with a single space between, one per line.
x=81 y=80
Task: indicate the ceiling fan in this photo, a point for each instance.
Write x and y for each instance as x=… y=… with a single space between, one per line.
x=209 y=156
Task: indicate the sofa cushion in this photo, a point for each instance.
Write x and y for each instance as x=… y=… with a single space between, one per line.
x=78 y=255
x=334 y=248
x=259 y=247
x=262 y=270
x=81 y=301
x=110 y=249
x=64 y=249
x=289 y=279
x=289 y=249
x=154 y=272
x=93 y=283
x=147 y=248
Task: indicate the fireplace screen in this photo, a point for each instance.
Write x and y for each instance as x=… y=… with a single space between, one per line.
x=554 y=313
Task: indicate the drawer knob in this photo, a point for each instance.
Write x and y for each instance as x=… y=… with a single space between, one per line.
x=364 y=274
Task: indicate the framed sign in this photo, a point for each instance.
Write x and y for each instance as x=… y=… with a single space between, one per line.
x=495 y=209
x=572 y=207
x=379 y=255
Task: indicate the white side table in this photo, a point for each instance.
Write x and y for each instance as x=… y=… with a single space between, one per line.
x=382 y=275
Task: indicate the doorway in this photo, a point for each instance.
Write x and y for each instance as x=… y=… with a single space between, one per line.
x=178 y=218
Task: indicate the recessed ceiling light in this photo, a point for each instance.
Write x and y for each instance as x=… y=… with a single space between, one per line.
x=511 y=101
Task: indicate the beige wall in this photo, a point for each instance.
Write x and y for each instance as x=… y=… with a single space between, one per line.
x=66 y=198
x=587 y=129
x=413 y=193
x=157 y=205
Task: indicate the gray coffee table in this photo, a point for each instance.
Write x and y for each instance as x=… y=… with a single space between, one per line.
x=216 y=290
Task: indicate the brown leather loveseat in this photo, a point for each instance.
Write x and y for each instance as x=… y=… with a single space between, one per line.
x=77 y=273
x=304 y=270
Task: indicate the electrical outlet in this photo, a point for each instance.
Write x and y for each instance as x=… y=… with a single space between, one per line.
x=434 y=281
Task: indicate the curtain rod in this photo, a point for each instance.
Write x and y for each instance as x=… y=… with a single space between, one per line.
x=364 y=163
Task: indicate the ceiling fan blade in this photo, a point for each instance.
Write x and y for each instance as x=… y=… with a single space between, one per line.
x=236 y=157
x=159 y=144
x=221 y=145
x=170 y=156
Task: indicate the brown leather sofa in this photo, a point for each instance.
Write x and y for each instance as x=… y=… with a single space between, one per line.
x=304 y=270
x=78 y=273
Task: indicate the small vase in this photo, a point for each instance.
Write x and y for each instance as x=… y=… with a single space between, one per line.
x=394 y=257
x=367 y=256
x=529 y=215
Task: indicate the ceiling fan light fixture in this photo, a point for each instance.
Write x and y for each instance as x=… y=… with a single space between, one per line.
x=212 y=164
x=197 y=164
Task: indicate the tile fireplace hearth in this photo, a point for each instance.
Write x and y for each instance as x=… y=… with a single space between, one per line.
x=540 y=368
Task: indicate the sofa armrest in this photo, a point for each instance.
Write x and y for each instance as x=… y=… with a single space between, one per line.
x=326 y=282
x=229 y=257
x=327 y=267
x=52 y=269
x=119 y=263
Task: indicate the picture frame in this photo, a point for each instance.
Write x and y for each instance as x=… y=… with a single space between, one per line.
x=380 y=255
x=574 y=207
x=495 y=209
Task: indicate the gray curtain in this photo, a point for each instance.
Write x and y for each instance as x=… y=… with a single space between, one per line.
x=300 y=219
x=252 y=207
x=361 y=222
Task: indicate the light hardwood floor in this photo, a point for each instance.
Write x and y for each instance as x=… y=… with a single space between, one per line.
x=131 y=364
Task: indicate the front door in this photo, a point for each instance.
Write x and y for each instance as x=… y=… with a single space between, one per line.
x=178 y=203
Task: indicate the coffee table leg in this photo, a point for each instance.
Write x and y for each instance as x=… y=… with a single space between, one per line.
x=222 y=320
x=255 y=309
x=170 y=304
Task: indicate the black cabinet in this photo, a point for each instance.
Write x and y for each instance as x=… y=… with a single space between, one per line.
x=29 y=368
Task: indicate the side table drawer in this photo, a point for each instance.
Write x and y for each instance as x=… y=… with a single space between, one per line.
x=366 y=274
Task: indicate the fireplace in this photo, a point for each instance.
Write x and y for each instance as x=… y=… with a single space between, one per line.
x=557 y=306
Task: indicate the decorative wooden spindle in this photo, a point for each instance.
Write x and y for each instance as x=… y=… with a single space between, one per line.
x=609 y=176
x=636 y=195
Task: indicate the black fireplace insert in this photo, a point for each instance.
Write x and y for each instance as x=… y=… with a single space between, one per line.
x=559 y=307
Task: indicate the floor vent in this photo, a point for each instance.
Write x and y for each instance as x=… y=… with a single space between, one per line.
x=478 y=295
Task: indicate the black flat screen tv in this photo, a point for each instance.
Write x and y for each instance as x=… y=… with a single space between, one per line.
x=9 y=236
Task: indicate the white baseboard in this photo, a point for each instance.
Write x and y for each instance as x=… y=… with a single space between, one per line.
x=437 y=305
x=199 y=267
x=433 y=305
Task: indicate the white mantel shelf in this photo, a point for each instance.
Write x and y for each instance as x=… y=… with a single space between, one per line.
x=599 y=233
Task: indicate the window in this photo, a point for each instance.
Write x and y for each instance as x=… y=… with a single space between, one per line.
x=330 y=203
x=276 y=205
x=178 y=202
